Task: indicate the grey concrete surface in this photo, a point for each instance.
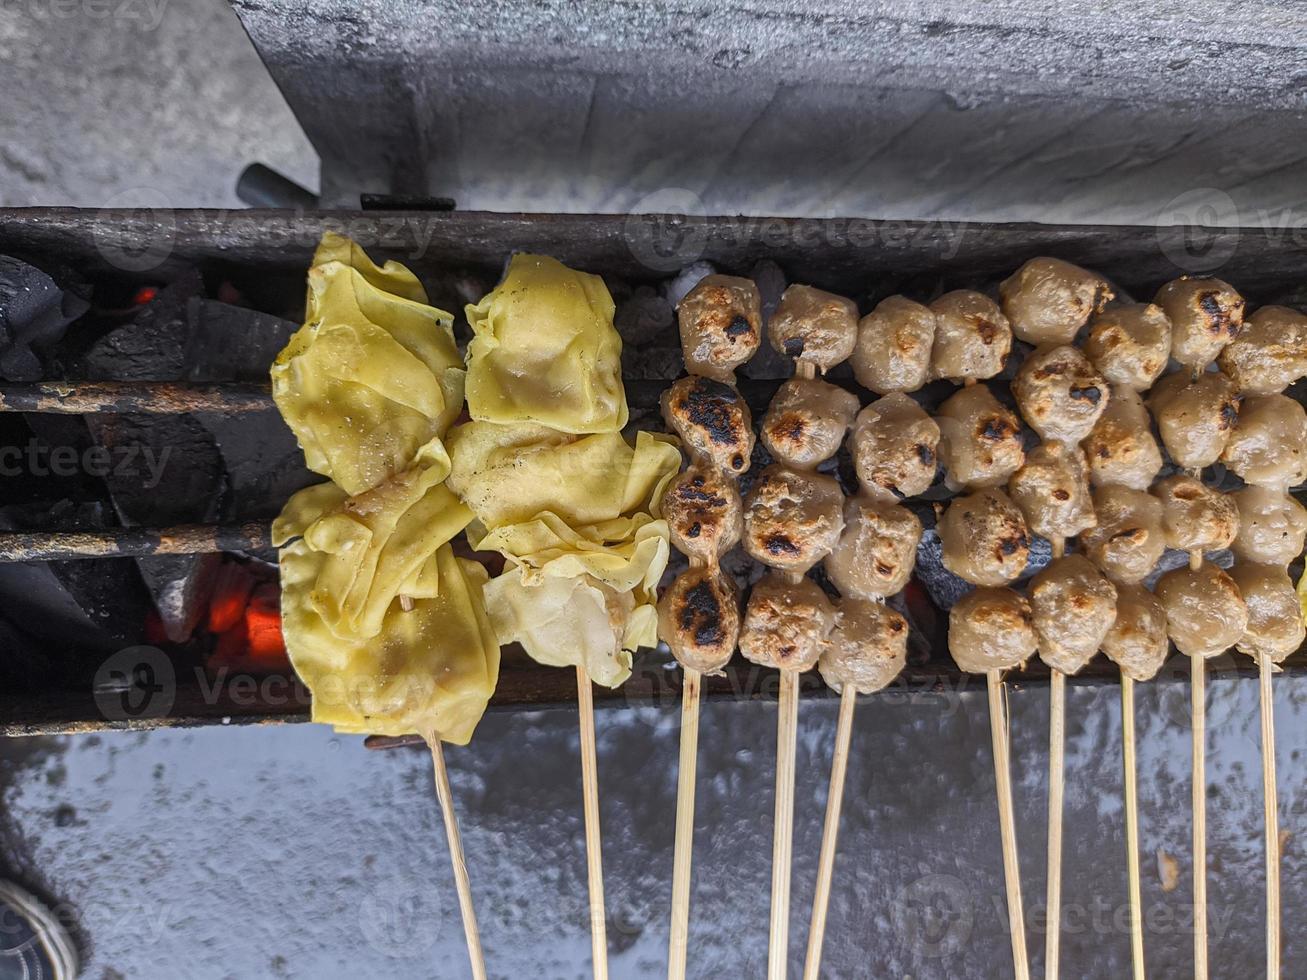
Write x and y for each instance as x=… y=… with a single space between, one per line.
x=291 y=852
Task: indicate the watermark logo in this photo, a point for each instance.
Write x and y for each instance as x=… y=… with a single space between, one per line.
x=134 y=683
x=136 y=15
x=1199 y=229
x=144 y=243
x=667 y=230
x=400 y=921
x=934 y=915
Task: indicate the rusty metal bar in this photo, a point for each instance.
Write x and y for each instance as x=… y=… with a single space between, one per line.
x=144 y=397
x=133 y=542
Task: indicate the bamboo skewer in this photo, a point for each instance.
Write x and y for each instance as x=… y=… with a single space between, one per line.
x=593 y=835
x=685 y=787
x=830 y=832
x=1007 y=824
x=1198 y=712
x=1056 y=787
x=1271 y=808
x=461 y=883
x=787 y=726
x=1132 y=824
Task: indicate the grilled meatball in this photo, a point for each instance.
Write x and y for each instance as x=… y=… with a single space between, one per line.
x=1052 y=490
x=1205 y=614
x=1270 y=352
x=712 y=420
x=806 y=421
x=1073 y=606
x=1047 y=300
x=1060 y=394
x=984 y=538
x=980 y=440
x=792 y=518
x=867 y=649
x=699 y=617
x=1205 y=314
x=1130 y=344
x=1272 y=526
x=893 y=348
x=991 y=629
x=972 y=336
x=815 y=326
x=1121 y=449
x=1194 y=417
x=721 y=325
x=895 y=446
x=786 y=625
x=1137 y=641
x=703 y=512
x=1128 y=538
x=1196 y=517
x=1275 y=626
x=877 y=551
x=1268 y=447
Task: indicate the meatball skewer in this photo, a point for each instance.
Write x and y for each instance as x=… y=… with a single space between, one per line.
x=794 y=517
x=698 y=615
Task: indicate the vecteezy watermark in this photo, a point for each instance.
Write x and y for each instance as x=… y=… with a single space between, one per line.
x=934 y=915
x=668 y=230
x=1199 y=229
x=400 y=920
x=38 y=459
x=139 y=15
x=135 y=683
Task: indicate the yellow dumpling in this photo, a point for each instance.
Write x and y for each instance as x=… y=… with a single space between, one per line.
x=429 y=669
x=373 y=377
x=545 y=350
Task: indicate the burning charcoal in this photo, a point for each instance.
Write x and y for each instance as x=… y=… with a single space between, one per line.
x=34 y=312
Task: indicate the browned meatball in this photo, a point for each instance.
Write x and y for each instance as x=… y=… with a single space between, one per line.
x=991 y=629
x=980 y=440
x=1194 y=417
x=806 y=421
x=1275 y=626
x=1047 y=300
x=1128 y=538
x=1052 y=490
x=893 y=348
x=972 y=336
x=703 y=512
x=877 y=551
x=1073 y=606
x=792 y=518
x=699 y=617
x=1205 y=314
x=1205 y=614
x=786 y=625
x=1270 y=352
x=1196 y=517
x=1272 y=526
x=1121 y=449
x=721 y=325
x=1137 y=641
x=712 y=420
x=984 y=538
x=815 y=326
x=1268 y=447
x=1130 y=344
x=895 y=446
x=867 y=649
x=1060 y=394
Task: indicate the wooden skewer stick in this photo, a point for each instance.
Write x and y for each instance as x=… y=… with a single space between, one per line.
x=464 y=888
x=830 y=832
x=685 y=785
x=1056 y=788
x=593 y=836
x=787 y=727
x=1007 y=824
x=1198 y=707
x=1270 y=804
x=1132 y=825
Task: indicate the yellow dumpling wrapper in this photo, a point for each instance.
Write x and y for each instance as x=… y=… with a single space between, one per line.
x=374 y=546
x=432 y=668
x=545 y=350
x=374 y=377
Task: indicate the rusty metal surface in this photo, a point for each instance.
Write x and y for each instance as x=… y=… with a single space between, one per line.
x=133 y=542
x=142 y=397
